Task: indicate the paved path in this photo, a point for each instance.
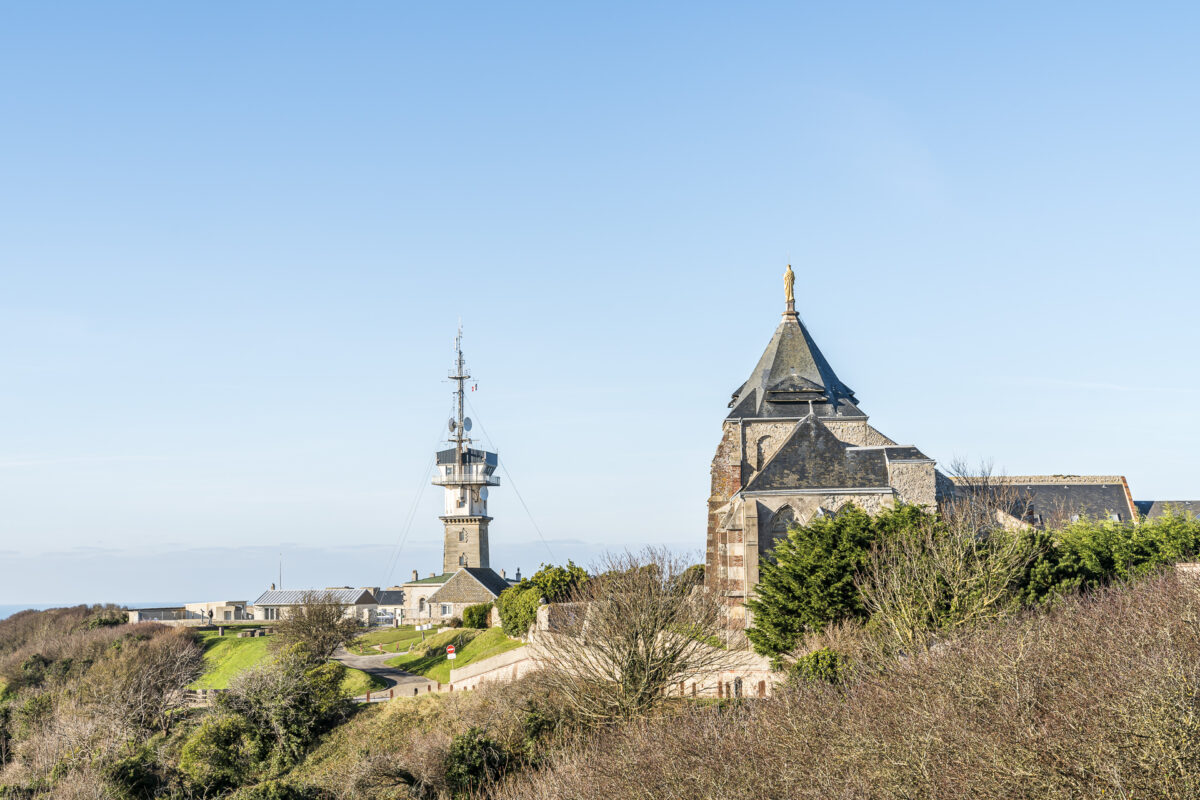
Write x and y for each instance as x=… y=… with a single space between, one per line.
x=401 y=683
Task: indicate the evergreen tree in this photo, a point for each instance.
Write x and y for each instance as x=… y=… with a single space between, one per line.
x=808 y=580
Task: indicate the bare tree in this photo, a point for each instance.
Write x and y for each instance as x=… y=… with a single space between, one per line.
x=318 y=622
x=951 y=572
x=143 y=684
x=629 y=633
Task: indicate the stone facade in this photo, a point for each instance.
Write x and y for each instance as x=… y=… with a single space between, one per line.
x=796 y=446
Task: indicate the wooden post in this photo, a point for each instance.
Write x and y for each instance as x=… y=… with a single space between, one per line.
x=762 y=688
x=368 y=695
x=390 y=695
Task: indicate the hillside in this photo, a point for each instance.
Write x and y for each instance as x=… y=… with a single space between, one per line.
x=472 y=645
x=227 y=656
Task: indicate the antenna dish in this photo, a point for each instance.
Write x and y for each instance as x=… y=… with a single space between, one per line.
x=467 y=424
x=453 y=425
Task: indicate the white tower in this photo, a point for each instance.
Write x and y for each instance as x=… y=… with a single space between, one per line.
x=466 y=473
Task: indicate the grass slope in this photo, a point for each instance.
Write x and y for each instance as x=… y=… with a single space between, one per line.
x=226 y=656
x=393 y=640
x=471 y=645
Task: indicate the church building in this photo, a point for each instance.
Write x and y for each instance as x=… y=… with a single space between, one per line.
x=795 y=445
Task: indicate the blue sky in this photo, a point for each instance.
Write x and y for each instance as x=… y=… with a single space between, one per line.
x=238 y=238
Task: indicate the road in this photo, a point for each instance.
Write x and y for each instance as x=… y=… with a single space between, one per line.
x=401 y=683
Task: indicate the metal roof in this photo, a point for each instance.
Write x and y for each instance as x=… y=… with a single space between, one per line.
x=294 y=597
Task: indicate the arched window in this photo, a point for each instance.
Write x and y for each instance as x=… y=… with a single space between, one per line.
x=784 y=519
x=421 y=605
x=462 y=536
x=760 y=452
x=462 y=561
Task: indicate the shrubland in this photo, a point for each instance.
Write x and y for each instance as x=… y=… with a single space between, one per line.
x=925 y=656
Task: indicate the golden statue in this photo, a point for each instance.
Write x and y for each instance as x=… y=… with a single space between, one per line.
x=789 y=283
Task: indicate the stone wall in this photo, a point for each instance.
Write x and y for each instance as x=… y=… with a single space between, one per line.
x=914 y=482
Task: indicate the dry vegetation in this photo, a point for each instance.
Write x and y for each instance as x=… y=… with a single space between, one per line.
x=1098 y=698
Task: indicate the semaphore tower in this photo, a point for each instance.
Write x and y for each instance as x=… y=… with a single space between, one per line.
x=465 y=473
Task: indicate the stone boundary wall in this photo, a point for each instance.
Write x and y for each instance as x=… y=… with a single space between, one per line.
x=503 y=667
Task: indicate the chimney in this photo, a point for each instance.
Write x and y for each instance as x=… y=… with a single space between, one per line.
x=433 y=574
x=518 y=574
x=414 y=574
x=272 y=587
x=501 y=573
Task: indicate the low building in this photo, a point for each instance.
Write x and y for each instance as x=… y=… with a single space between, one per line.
x=390 y=608
x=441 y=597
x=193 y=613
x=276 y=604
x=218 y=611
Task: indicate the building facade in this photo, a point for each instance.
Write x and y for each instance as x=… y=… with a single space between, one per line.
x=795 y=445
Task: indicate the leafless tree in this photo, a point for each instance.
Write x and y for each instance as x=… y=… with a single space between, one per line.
x=143 y=684
x=318 y=622
x=629 y=633
x=951 y=572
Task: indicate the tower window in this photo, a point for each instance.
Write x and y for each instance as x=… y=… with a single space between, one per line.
x=462 y=561
x=462 y=536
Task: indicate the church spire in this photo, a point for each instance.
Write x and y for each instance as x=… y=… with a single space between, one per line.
x=792 y=377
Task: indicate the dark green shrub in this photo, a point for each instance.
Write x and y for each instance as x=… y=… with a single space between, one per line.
x=477 y=616
x=454 y=622
x=825 y=665
x=808 y=580
x=272 y=790
x=474 y=760
x=136 y=776
x=222 y=753
x=518 y=609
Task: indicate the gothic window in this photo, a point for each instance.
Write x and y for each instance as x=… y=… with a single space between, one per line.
x=462 y=536
x=462 y=561
x=784 y=518
x=421 y=605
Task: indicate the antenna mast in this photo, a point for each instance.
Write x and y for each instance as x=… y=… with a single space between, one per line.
x=460 y=376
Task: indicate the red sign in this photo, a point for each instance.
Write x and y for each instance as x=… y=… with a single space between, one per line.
x=449 y=648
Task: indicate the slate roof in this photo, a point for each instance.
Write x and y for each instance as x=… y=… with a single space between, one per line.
x=390 y=597
x=471 y=585
x=1055 y=499
x=791 y=374
x=291 y=597
x=813 y=458
x=1157 y=508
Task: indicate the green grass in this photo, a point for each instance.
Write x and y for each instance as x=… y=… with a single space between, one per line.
x=226 y=656
x=431 y=662
x=394 y=640
x=358 y=683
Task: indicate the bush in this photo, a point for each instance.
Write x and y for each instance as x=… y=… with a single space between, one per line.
x=477 y=616
x=134 y=776
x=454 y=622
x=272 y=790
x=826 y=664
x=289 y=701
x=518 y=609
x=222 y=753
x=474 y=760
x=808 y=580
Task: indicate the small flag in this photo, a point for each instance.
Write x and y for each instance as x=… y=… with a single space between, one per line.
x=474 y=387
